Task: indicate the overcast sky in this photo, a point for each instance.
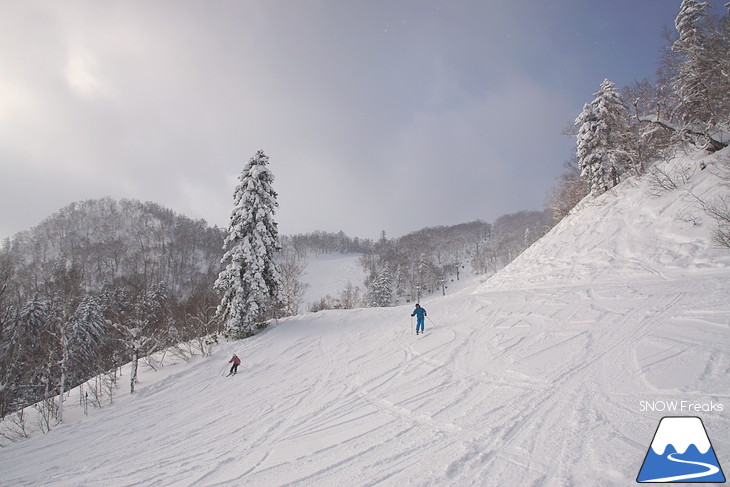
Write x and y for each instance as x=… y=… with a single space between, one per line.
x=376 y=115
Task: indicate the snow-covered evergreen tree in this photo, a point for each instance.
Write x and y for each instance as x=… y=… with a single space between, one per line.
x=86 y=330
x=424 y=275
x=587 y=143
x=603 y=147
x=689 y=85
x=250 y=283
x=21 y=373
x=75 y=331
x=702 y=82
x=381 y=289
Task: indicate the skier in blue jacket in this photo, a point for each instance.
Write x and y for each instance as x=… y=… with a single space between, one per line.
x=420 y=314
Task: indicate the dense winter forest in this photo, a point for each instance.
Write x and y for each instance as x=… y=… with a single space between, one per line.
x=103 y=282
x=622 y=132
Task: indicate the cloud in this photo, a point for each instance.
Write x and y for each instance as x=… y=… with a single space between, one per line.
x=375 y=115
x=82 y=76
x=480 y=158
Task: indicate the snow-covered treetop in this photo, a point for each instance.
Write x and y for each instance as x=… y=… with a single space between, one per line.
x=690 y=13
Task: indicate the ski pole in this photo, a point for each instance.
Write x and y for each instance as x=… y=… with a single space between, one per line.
x=429 y=319
x=411 y=324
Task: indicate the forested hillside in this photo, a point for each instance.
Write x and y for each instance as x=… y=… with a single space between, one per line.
x=108 y=240
x=102 y=282
x=95 y=284
x=423 y=262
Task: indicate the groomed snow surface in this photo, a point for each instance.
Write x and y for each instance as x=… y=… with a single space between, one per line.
x=537 y=376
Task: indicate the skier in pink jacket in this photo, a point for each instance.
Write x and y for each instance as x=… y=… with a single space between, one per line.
x=236 y=362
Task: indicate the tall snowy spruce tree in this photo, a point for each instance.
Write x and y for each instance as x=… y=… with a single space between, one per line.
x=381 y=289
x=602 y=140
x=702 y=81
x=250 y=283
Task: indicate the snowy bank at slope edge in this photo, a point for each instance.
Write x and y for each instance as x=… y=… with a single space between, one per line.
x=629 y=230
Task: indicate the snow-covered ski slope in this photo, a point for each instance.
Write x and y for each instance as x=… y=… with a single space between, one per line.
x=329 y=275
x=540 y=376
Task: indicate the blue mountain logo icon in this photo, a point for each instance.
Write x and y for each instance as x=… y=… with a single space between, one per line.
x=681 y=452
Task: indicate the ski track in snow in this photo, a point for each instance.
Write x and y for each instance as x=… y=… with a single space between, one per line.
x=509 y=388
x=528 y=379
